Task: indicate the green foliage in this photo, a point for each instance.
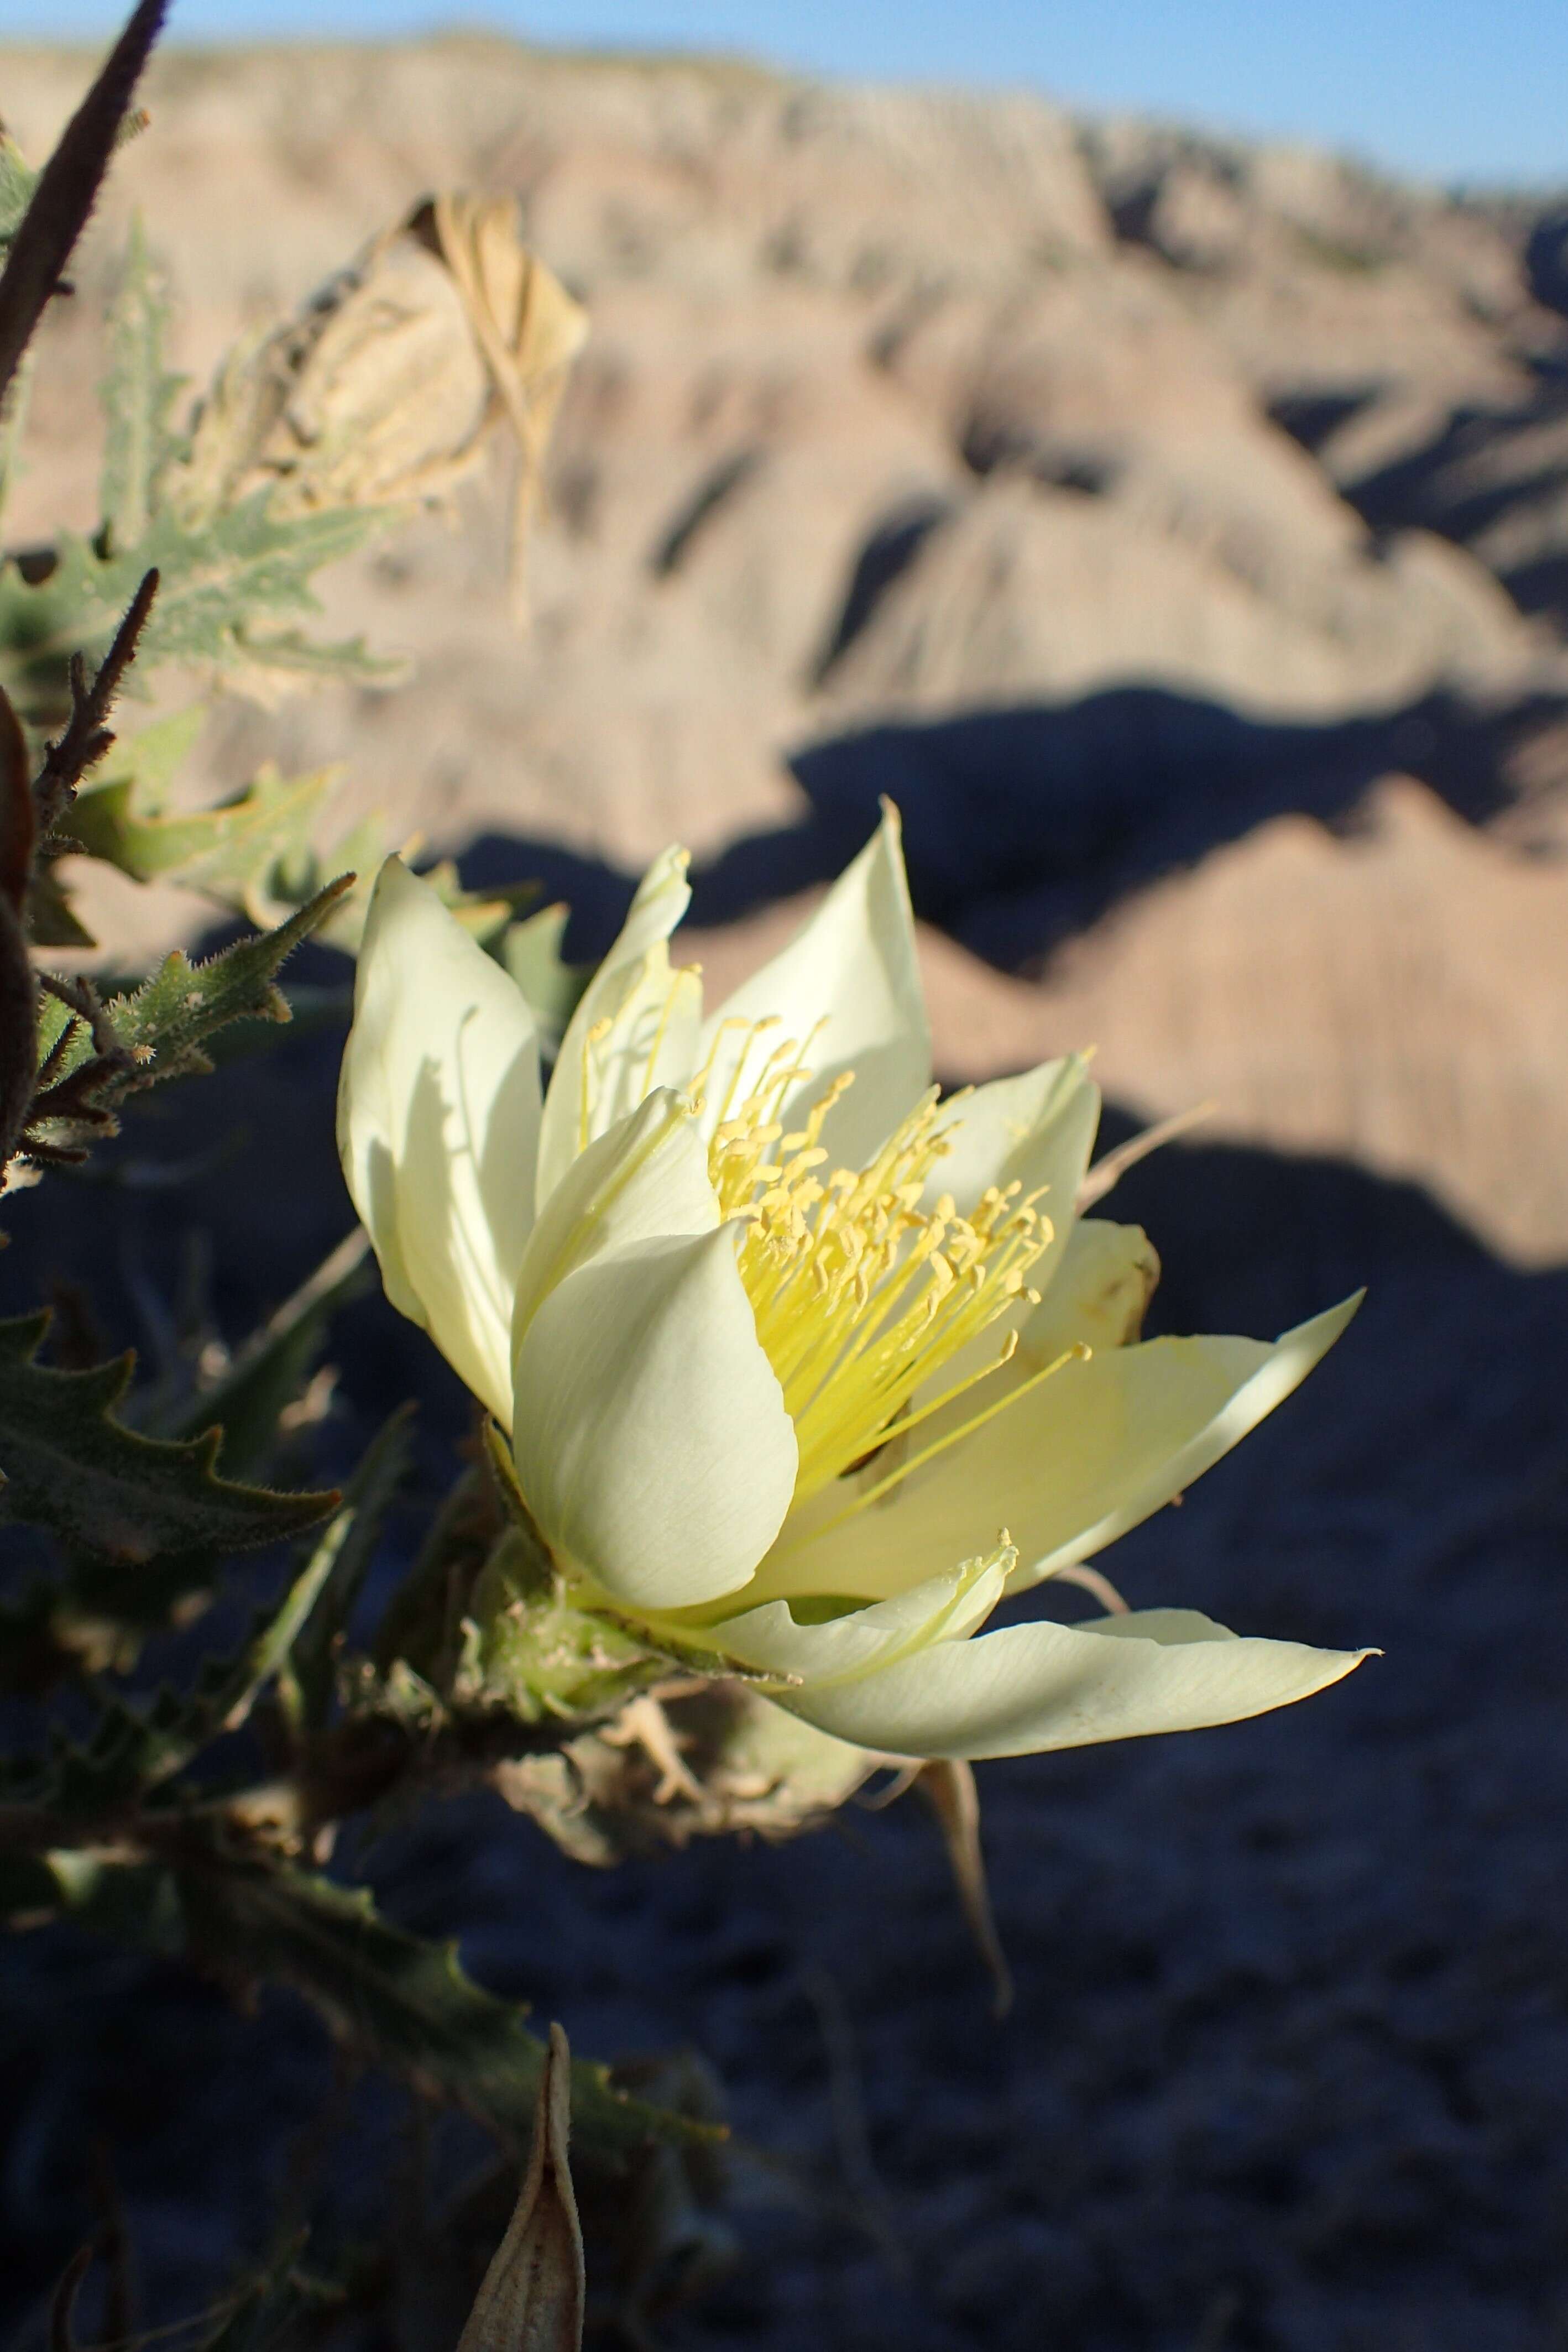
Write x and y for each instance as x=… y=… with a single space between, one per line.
x=530 y=951
x=233 y=852
x=111 y=1495
x=407 y=2004
x=347 y=1547
x=256 y=854
x=226 y=583
x=138 y=395
x=163 y=1028
x=17 y=182
x=266 y=1377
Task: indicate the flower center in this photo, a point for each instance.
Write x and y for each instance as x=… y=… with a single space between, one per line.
x=862 y=1294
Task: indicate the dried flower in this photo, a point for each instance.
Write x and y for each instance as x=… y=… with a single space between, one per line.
x=387 y=384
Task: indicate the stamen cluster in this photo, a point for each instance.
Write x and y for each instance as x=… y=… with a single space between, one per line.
x=861 y=1293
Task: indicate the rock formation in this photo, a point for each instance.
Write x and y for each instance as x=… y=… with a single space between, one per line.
x=1131 y=505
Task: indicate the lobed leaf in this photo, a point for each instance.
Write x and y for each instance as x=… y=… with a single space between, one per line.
x=110 y=1496
x=169 y=1018
x=405 y=2003
x=232 y=851
x=138 y=393
x=223 y=583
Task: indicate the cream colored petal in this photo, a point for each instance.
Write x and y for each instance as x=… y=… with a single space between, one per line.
x=651 y=1438
x=1099 y=1279
x=1039 y=1686
x=945 y=1609
x=1098 y=1294
x=1086 y=1455
x=1037 y=1129
x=634 y=1028
x=647 y=1178
x=439 y=1116
x=847 y=994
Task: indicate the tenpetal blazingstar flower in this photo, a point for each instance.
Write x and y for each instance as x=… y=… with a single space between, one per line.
x=799 y=1361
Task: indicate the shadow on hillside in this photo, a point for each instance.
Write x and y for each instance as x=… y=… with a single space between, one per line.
x=1022 y=825
x=1501 y=470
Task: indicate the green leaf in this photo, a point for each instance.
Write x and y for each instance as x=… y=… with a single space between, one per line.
x=148 y=760
x=232 y=851
x=170 y=1017
x=52 y=921
x=393 y=1998
x=136 y=1745
x=167 y=1022
x=138 y=393
x=113 y=1498
x=17 y=181
x=530 y=951
x=223 y=583
x=268 y=1372
x=131 y=1903
x=350 y=1542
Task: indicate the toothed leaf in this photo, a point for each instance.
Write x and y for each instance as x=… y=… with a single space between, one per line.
x=111 y=1496
x=224 y=586
x=166 y=1022
x=407 y=2004
x=233 y=852
x=138 y=393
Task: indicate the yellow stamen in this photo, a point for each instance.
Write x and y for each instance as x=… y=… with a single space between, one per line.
x=687 y=973
x=1078 y=1353
x=861 y=1294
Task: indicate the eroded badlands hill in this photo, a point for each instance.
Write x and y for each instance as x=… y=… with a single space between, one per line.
x=1118 y=500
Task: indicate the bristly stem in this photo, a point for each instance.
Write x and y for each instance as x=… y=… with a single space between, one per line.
x=86 y=738
x=67 y=189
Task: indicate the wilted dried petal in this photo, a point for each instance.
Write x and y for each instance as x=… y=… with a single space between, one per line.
x=948 y=1786
x=384 y=388
x=528 y=326
x=532 y=2295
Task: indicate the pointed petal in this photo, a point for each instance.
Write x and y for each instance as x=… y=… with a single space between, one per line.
x=439 y=1118
x=846 y=992
x=653 y=1015
x=651 y=1438
x=1039 y=1686
x=945 y=1609
x=1067 y=1469
x=1039 y=1127
x=647 y=1177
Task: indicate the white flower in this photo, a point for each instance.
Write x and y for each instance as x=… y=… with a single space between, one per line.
x=798 y=1361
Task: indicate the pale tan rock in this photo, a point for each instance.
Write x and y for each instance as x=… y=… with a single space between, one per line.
x=904 y=405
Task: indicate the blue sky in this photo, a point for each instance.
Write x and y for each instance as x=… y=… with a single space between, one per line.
x=1456 y=90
